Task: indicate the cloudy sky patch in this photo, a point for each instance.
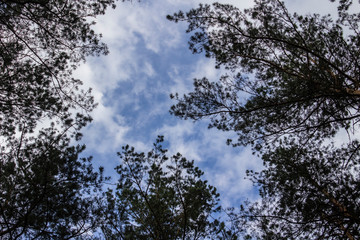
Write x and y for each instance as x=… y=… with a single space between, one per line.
x=149 y=59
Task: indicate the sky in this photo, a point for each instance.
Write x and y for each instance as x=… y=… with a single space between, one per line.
x=149 y=59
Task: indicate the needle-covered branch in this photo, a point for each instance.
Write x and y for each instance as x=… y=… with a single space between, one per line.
x=307 y=191
x=41 y=43
x=288 y=73
x=161 y=197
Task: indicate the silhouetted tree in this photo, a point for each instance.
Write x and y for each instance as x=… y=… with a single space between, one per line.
x=309 y=192
x=46 y=190
x=288 y=74
x=292 y=85
x=161 y=197
x=41 y=43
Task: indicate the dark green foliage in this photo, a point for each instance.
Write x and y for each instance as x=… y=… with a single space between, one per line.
x=161 y=197
x=293 y=83
x=46 y=191
x=41 y=43
x=307 y=192
x=288 y=74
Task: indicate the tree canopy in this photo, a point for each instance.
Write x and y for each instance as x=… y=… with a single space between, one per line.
x=309 y=192
x=46 y=190
x=299 y=75
x=292 y=84
x=161 y=197
x=41 y=43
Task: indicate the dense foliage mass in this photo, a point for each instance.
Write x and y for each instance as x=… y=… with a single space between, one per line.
x=46 y=191
x=308 y=192
x=42 y=42
x=292 y=85
x=298 y=74
x=161 y=197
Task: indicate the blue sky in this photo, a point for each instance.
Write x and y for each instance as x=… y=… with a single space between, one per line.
x=148 y=60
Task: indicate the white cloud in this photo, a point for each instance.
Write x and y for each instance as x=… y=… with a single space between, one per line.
x=205 y=67
x=229 y=175
x=130 y=23
x=179 y=138
x=149 y=70
x=107 y=131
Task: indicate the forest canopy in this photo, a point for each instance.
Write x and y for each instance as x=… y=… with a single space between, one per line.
x=300 y=73
x=47 y=191
x=300 y=78
x=290 y=87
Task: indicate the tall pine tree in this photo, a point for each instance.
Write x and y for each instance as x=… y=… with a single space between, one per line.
x=292 y=84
